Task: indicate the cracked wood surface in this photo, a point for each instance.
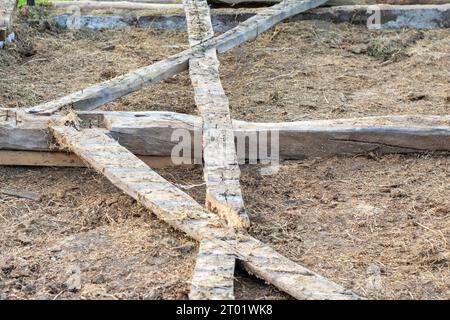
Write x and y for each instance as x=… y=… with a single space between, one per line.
x=221 y=169
x=214 y=270
x=150 y=133
x=180 y=211
x=126 y=5
x=213 y=277
x=94 y=96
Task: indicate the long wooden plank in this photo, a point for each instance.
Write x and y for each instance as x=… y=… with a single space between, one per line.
x=126 y=5
x=214 y=272
x=94 y=96
x=150 y=133
x=221 y=169
x=180 y=211
x=63 y=159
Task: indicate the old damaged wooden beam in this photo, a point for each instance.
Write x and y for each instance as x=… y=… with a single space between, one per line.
x=150 y=133
x=220 y=167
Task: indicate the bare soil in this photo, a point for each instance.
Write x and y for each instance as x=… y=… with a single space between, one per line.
x=377 y=225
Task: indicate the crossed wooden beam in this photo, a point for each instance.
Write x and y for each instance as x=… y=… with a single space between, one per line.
x=93 y=136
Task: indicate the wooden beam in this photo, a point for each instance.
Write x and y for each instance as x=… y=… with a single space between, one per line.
x=150 y=133
x=64 y=159
x=180 y=211
x=126 y=5
x=213 y=277
x=214 y=272
x=7 y=8
x=94 y=96
x=221 y=169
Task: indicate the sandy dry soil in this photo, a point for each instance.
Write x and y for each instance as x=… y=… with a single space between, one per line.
x=379 y=226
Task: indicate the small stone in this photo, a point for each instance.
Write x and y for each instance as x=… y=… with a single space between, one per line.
x=152 y=295
x=29 y=288
x=109 y=48
x=23 y=239
x=99 y=279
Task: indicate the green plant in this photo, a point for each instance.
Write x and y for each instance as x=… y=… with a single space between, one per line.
x=24 y=2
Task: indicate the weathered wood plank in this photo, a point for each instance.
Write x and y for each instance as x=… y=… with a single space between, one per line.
x=220 y=161
x=94 y=96
x=63 y=159
x=213 y=277
x=214 y=272
x=126 y=5
x=7 y=8
x=180 y=211
x=150 y=133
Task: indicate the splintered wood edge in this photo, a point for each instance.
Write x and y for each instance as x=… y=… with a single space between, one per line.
x=180 y=211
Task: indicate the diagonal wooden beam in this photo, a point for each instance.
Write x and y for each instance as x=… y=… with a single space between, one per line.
x=94 y=96
x=180 y=211
x=221 y=169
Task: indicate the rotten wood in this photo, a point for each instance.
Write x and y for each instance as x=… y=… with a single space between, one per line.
x=180 y=211
x=221 y=169
x=94 y=96
x=213 y=277
x=214 y=272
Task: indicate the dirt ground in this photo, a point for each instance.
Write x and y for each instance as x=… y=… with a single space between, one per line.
x=377 y=225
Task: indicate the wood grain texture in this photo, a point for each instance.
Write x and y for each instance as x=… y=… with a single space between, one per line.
x=213 y=277
x=180 y=211
x=214 y=271
x=94 y=96
x=221 y=169
x=150 y=133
